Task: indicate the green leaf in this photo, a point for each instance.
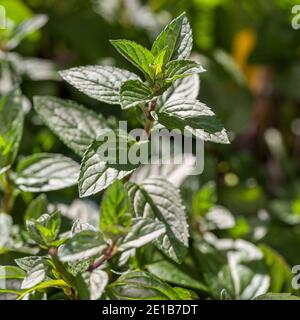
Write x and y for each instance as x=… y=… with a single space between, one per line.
x=6 y=224
x=195 y=117
x=102 y=83
x=76 y=282
x=175 y=171
x=234 y=265
x=218 y=218
x=98 y=171
x=184 y=43
x=36 y=275
x=177 y=69
x=78 y=267
x=184 y=88
x=277 y=296
x=78 y=226
x=143 y=231
x=97 y=281
x=279 y=270
x=36 y=208
x=159 y=62
x=115 y=217
x=83 y=245
x=42 y=286
x=26 y=28
x=139 y=285
x=27 y=263
x=43 y=172
x=176 y=274
x=158 y=199
x=185 y=294
x=45 y=229
x=10 y=280
x=11 y=127
x=204 y=199
x=134 y=93
x=139 y=56
x=10 y=272
x=75 y=125
x=177 y=37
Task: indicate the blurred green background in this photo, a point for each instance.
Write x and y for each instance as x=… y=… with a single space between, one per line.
x=252 y=57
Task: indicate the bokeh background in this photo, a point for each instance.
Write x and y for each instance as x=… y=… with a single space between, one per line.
x=252 y=57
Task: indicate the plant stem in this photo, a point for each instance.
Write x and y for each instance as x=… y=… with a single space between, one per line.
x=107 y=254
x=62 y=271
x=149 y=121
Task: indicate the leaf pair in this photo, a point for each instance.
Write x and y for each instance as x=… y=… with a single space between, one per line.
x=135 y=92
x=174 y=42
x=44 y=231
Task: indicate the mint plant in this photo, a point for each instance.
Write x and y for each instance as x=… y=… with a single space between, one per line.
x=144 y=245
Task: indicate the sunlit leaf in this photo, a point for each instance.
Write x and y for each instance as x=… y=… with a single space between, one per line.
x=102 y=83
x=46 y=172
x=157 y=198
x=75 y=125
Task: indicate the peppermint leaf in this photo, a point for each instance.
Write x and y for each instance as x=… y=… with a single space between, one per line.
x=183 y=88
x=46 y=172
x=177 y=37
x=142 y=285
x=143 y=231
x=195 y=117
x=102 y=83
x=158 y=199
x=83 y=245
x=134 y=93
x=99 y=171
x=177 y=69
x=75 y=125
x=139 y=56
x=115 y=217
